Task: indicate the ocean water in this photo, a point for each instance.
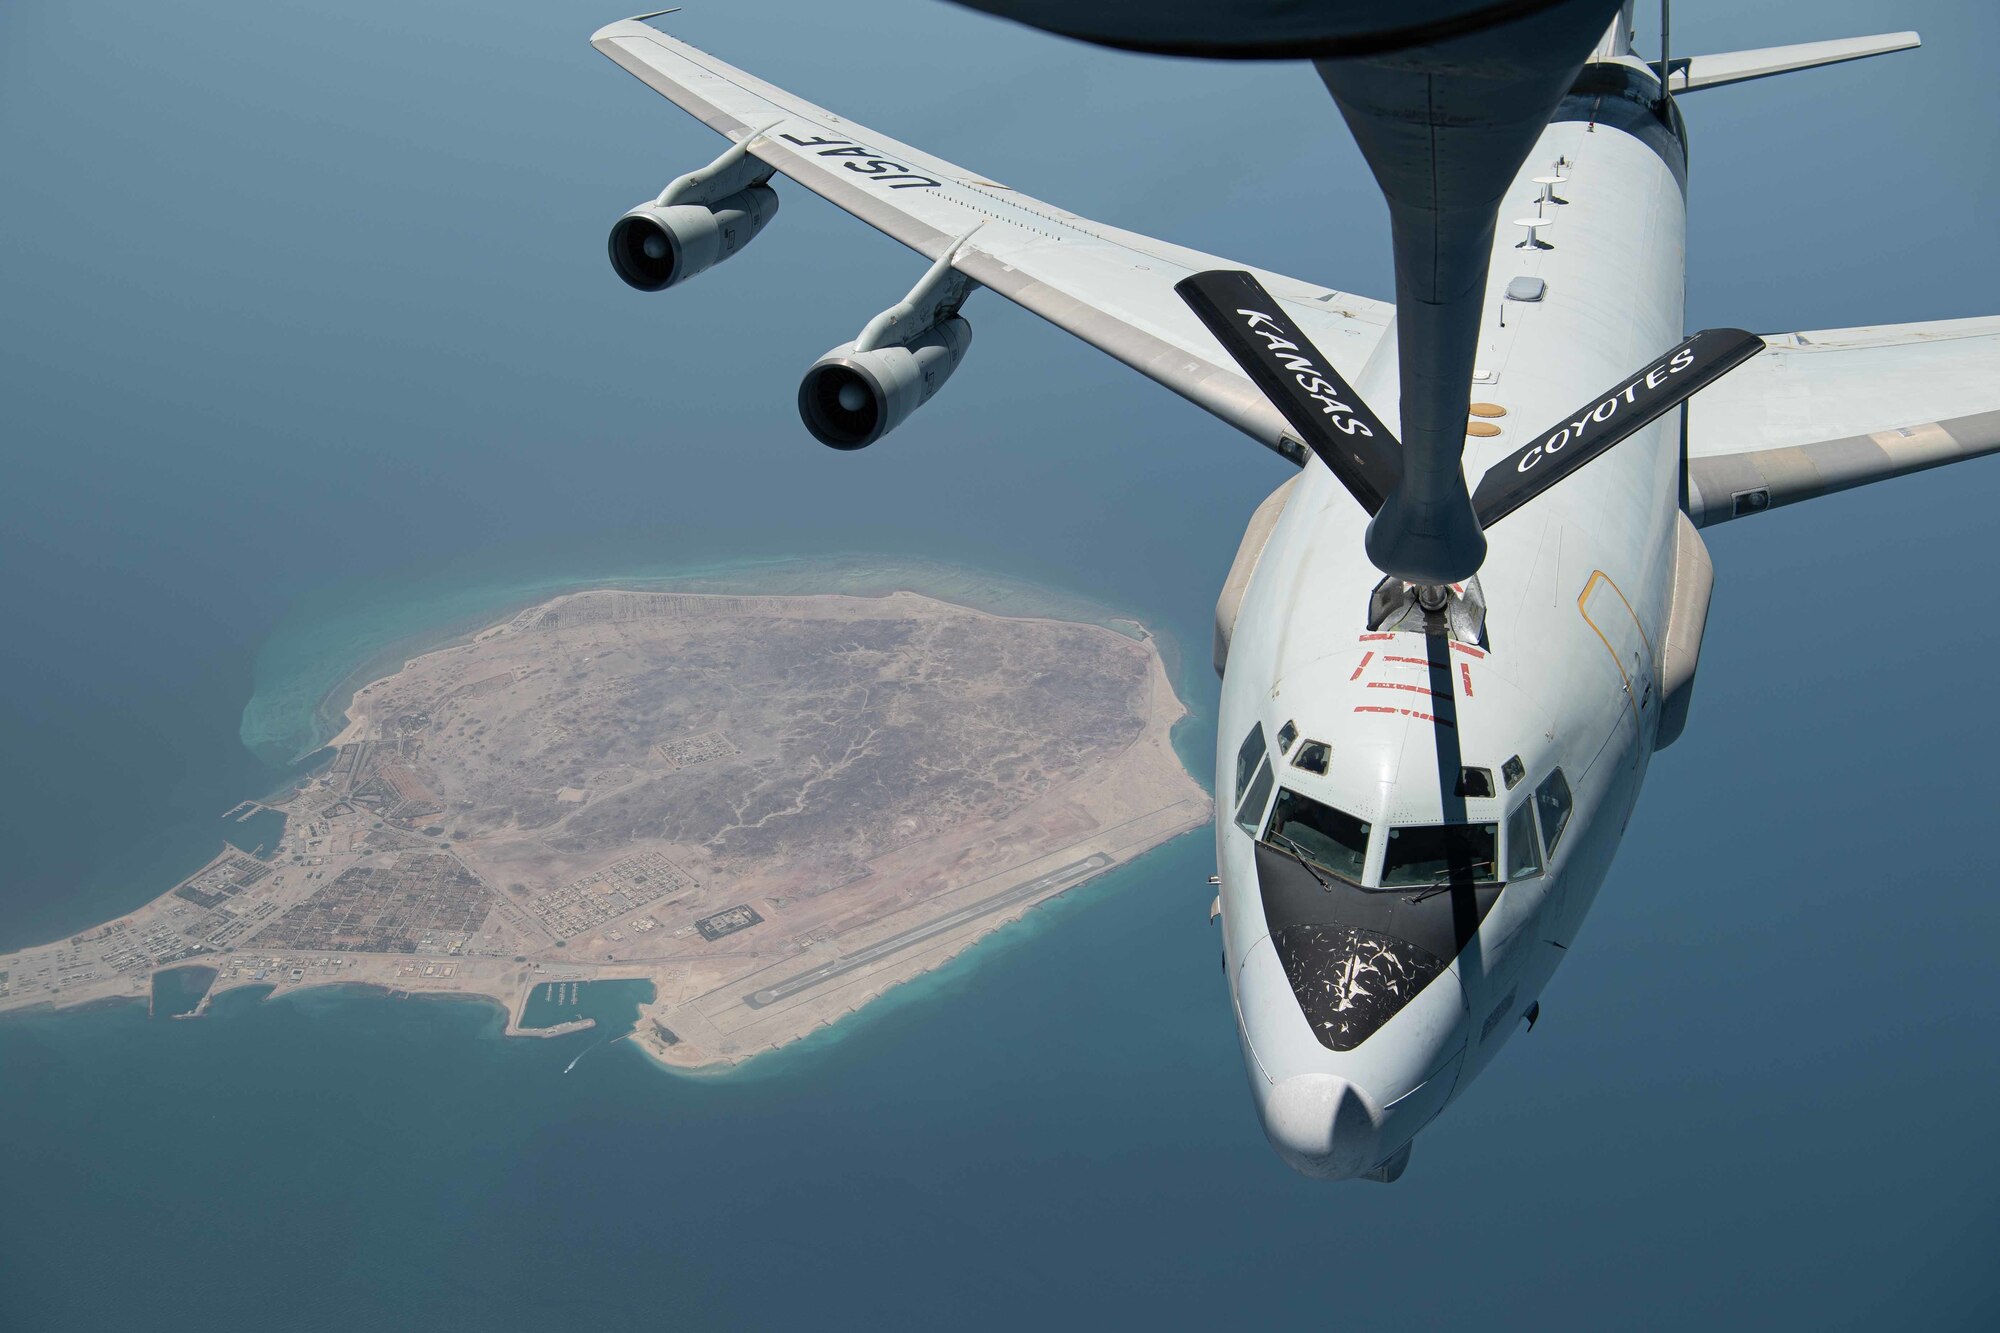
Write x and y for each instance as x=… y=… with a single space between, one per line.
x=312 y=359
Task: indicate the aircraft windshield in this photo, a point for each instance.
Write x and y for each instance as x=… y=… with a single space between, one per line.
x=1331 y=839
x=1432 y=854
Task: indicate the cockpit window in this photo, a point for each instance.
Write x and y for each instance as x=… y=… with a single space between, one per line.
x=1286 y=735
x=1312 y=756
x=1253 y=780
x=1247 y=755
x=1524 y=854
x=1331 y=839
x=1431 y=854
x=1553 y=801
x=1251 y=811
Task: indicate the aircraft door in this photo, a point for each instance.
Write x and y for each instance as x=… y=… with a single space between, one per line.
x=1607 y=611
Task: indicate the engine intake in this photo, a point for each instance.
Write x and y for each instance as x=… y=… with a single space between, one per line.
x=862 y=390
x=655 y=246
x=698 y=221
x=849 y=399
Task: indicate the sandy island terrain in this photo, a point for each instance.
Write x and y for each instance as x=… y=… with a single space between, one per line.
x=771 y=808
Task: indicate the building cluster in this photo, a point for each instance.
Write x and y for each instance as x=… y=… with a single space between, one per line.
x=728 y=921
x=425 y=902
x=224 y=879
x=699 y=749
x=603 y=895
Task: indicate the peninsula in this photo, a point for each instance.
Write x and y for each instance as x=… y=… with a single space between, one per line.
x=772 y=808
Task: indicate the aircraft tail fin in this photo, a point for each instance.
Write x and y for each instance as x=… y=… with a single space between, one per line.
x=1715 y=71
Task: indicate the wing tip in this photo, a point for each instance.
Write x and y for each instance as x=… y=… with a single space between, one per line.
x=631 y=27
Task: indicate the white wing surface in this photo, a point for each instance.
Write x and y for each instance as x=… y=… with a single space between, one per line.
x=1832 y=409
x=1114 y=289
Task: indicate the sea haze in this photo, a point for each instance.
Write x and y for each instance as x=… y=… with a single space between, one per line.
x=311 y=350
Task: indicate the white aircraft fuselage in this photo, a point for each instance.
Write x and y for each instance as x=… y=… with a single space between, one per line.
x=1578 y=586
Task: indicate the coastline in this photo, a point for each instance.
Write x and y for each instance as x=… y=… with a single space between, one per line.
x=951 y=970
x=940 y=956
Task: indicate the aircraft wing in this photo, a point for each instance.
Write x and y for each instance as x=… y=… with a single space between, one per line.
x=1114 y=289
x=1832 y=409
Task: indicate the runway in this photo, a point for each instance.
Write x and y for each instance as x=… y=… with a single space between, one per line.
x=1034 y=888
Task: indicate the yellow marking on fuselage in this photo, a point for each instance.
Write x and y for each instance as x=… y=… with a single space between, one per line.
x=1583 y=609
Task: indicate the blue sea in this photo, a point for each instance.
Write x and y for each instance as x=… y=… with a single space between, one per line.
x=311 y=358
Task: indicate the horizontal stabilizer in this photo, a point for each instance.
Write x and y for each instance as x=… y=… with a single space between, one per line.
x=1716 y=71
x=1301 y=383
x=1587 y=432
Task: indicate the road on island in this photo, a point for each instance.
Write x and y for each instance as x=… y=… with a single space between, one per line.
x=784 y=990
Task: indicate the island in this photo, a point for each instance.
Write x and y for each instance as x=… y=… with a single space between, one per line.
x=771 y=808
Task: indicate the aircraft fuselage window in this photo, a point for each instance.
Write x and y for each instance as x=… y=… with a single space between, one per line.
x=1331 y=839
x=1429 y=854
x=1312 y=756
x=1552 y=799
x=1286 y=735
x=1253 y=780
x=1524 y=854
x=1513 y=771
x=1475 y=782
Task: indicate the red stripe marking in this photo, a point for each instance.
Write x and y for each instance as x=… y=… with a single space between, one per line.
x=1413 y=661
x=1468 y=649
x=1406 y=712
x=1399 y=685
x=1371 y=638
x=1465 y=674
x=1363 y=666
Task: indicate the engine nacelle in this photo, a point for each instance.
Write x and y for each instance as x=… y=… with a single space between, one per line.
x=851 y=399
x=657 y=245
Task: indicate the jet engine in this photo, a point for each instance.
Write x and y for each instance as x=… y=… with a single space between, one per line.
x=698 y=221
x=862 y=390
x=653 y=247
x=850 y=399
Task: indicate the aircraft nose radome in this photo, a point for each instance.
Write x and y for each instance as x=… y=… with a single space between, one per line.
x=1323 y=1126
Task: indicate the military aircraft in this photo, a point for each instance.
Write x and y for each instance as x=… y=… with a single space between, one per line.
x=1452 y=641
